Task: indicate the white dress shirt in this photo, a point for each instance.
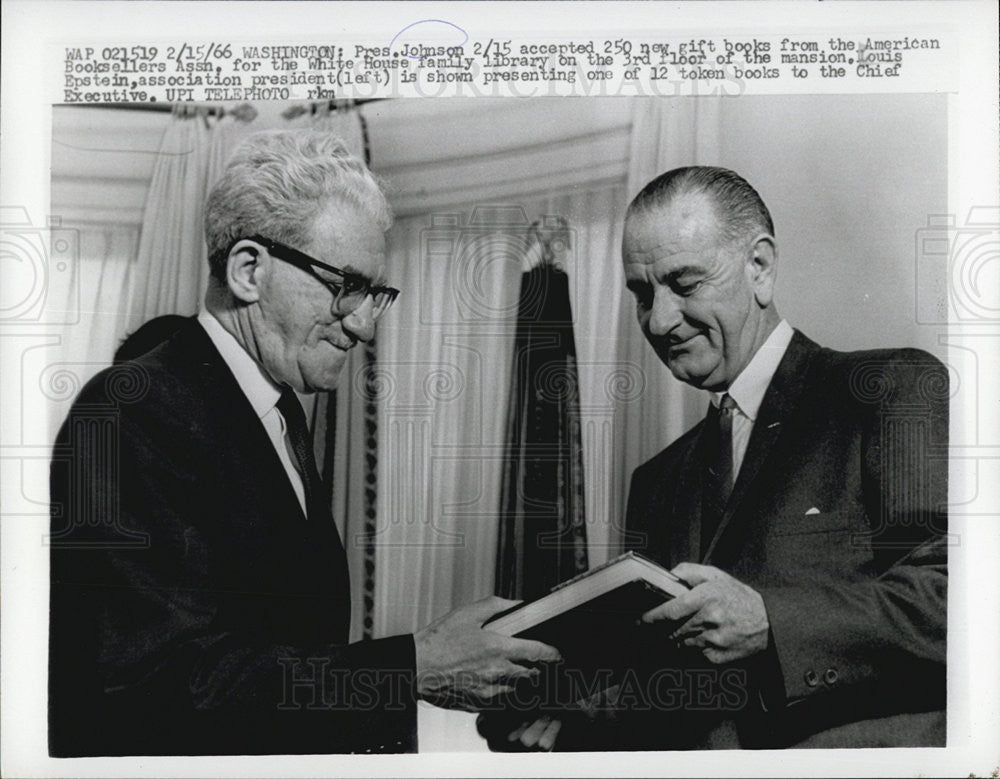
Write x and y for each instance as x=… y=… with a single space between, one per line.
x=262 y=393
x=749 y=387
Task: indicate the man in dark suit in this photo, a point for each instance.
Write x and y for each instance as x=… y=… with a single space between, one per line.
x=200 y=600
x=807 y=511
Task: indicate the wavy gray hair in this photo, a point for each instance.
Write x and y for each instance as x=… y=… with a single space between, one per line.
x=278 y=182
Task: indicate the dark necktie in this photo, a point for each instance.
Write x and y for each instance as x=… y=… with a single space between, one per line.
x=301 y=441
x=320 y=534
x=719 y=473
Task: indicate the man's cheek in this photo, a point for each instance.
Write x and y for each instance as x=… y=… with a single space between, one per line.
x=326 y=359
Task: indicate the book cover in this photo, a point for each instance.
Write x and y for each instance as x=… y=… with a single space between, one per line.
x=593 y=619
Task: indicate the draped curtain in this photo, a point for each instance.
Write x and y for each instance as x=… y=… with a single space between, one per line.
x=443 y=379
x=170 y=272
x=443 y=373
x=542 y=537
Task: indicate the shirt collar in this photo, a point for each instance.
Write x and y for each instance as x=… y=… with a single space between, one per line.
x=749 y=387
x=262 y=393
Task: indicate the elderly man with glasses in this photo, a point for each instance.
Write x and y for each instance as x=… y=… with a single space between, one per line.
x=200 y=599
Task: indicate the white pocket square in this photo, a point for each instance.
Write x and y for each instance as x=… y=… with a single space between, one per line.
x=813 y=510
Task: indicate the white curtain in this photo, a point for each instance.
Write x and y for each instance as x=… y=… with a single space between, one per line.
x=445 y=354
x=444 y=367
x=170 y=269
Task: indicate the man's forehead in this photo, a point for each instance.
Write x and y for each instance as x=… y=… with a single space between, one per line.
x=652 y=242
x=689 y=217
x=350 y=239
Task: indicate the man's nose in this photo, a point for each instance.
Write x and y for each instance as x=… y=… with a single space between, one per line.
x=361 y=321
x=665 y=314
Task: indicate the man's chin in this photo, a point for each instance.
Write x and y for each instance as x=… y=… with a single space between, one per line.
x=689 y=370
x=324 y=379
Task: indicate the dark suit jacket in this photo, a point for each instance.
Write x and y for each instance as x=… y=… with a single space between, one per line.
x=838 y=519
x=194 y=609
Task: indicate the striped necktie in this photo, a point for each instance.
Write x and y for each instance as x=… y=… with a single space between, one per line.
x=719 y=471
x=301 y=441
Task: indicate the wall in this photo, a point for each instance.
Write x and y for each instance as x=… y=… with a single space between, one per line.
x=850 y=181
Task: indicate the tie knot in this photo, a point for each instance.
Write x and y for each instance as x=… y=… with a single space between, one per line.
x=289 y=406
x=727 y=405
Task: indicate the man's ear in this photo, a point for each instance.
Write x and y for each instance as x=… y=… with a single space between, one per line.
x=762 y=269
x=242 y=265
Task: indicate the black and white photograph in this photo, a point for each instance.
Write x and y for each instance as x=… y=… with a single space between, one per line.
x=642 y=432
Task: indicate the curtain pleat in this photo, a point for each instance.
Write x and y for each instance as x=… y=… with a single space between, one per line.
x=171 y=244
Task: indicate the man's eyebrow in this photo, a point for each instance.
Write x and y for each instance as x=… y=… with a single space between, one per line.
x=376 y=281
x=353 y=270
x=685 y=270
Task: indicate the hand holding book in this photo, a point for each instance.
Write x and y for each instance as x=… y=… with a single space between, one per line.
x=593 y=619
x=461 y=666
x=720 y=615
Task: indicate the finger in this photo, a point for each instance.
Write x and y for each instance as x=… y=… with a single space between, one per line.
x=494 y=604
x=548 y=739
x=535 y=730
x=677 y=608
x=507 y=671
x=707 y=639
x=487 y=694
x=525 y=650
x=514 y=735
x=690 y=628
x=719 y=656
x=695 y=574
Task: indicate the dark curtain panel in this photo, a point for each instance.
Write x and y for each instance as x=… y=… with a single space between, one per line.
x=543 y=537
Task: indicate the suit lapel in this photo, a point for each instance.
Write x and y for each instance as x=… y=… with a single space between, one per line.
x=245 y=431
x=687 y=502
x=780 y=401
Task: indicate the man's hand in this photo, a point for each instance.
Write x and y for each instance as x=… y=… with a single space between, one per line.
x=724 y=617
x=461 y=665
x=533 y=734
x=513 y=731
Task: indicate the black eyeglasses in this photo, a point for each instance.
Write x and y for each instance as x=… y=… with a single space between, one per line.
x=349 y=289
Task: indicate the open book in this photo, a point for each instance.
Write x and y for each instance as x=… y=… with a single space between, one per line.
x=599 y=604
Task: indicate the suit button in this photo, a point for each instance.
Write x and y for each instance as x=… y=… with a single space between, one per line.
x=812 y=679
x=830 y=676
